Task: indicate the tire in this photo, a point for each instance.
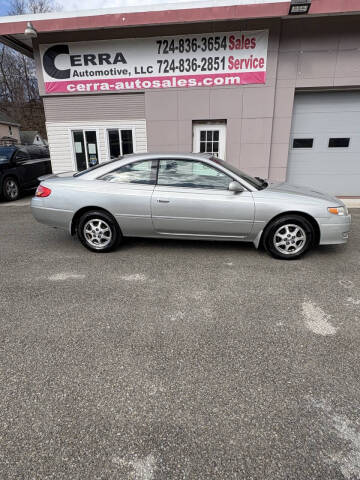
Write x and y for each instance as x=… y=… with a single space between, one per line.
x=98 y=231
x=289 y=237
x=10 y=189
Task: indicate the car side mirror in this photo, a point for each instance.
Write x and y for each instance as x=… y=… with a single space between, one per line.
x=235 y=187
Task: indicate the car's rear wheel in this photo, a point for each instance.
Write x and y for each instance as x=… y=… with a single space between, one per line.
x=98 y=231
x=289 y=237
x=10 y=189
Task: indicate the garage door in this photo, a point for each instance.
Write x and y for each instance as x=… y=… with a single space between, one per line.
x=325 y=142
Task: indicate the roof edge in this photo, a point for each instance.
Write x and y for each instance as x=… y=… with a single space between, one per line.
x=156 y=7
x=154 y=17
x=47 y=23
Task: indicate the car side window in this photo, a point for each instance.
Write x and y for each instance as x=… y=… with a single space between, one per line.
x=138 y=172
x=191 y=174
x=21 y=156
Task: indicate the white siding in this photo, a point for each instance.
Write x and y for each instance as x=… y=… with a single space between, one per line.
x=92 y=108
x=61 y=146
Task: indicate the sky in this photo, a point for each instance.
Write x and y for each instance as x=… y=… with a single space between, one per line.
x=68 y=5
x=4 y=5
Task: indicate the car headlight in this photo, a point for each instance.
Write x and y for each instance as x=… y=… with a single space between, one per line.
x=338 y=210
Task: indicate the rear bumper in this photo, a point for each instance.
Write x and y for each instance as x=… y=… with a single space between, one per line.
x=50 y=216
x=336 y=231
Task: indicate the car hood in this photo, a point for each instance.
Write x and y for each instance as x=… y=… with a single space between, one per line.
x=303 y=191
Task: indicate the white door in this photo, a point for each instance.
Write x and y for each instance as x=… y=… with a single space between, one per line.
x=325 y=142
x=210 y=138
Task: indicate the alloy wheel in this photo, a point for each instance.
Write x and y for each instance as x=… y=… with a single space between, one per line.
x=97 y=233
x=289 y=239
x=11 y=189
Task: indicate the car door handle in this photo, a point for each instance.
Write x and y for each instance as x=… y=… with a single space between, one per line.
x=163 y=201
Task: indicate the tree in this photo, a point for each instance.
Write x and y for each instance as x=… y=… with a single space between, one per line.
x=17 y=7
x=19 y=93
x=21 y=7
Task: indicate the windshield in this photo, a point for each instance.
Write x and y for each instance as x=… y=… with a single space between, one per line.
x=95 y=167
x=254 y=182
x=6 y=154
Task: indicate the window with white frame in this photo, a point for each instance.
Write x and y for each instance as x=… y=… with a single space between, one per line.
x=86 y=149
x=210 y=138
x=120 y=141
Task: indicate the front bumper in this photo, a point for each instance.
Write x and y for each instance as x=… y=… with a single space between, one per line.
x=334 y=231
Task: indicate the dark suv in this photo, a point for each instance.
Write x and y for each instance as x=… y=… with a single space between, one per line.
x=20 y=167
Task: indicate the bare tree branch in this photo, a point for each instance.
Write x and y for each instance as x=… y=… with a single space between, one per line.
x=42 y=6
x=19 y=93
x=21 y=7
x=17 y=7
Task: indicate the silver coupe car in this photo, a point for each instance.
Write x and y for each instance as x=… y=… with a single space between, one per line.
x=187 y=196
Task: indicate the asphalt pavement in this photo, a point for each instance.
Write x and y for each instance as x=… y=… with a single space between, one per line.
x=169 y=360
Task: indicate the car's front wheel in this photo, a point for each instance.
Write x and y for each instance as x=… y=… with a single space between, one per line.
x=10 y=189
x=289 y=237
x=98 y=231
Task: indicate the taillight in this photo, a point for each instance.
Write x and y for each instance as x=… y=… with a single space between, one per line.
x=42 y=191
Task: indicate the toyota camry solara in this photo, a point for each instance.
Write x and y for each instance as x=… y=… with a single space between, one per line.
x=187 y=196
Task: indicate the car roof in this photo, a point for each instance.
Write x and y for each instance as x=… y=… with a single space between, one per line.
x=157 y=155
x=106 y=167
x=18 y=146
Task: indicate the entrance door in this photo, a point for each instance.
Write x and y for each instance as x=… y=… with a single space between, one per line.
x=210 y=138
x=85 y=149
x=192 y=198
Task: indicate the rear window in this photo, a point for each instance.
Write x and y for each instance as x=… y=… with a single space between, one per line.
x=35 y=152
x=45 y=152
x=21 y=155
x=95 y=167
